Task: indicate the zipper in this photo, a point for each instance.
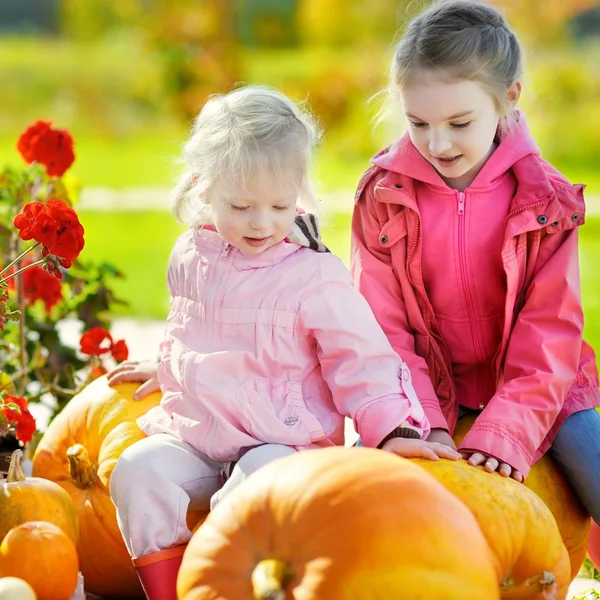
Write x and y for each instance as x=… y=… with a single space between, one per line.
x=210 y=297
x=438 y=341
x=462 y=259
x=210 y=300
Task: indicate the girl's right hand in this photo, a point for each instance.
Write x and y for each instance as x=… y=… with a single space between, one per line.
x=412 y=448
x=136 y=371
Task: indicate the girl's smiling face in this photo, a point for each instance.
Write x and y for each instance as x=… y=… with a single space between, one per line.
x=453 y=124
x=258 y=216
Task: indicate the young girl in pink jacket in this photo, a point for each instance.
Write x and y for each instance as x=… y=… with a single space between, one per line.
x=268 y=346
x=464 y=242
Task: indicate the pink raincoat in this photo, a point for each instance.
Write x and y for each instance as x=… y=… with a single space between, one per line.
x=275 y=348
x=479 y=291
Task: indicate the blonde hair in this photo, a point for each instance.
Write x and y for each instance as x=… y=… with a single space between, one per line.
x=464 y=40
x=234 y=137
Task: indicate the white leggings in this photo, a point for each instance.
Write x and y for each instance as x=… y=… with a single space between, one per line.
x=157 y=479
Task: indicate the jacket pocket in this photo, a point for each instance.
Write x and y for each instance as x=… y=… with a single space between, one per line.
x=275 y=413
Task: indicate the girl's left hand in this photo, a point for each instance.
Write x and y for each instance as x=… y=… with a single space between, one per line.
x=491 y=464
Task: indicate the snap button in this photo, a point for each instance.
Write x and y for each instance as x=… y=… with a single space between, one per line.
x=575 y=217
x=542 y=219
x=291 y=421
x=384 y=239
x=405 y=375
x=399 y=186
x=555 y=224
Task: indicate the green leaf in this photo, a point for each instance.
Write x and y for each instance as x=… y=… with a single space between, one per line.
x=6 y=384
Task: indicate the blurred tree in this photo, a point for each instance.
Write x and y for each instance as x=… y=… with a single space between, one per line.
x=268 y=23
x=29 y=17
x=93 y=19
x=196 y=41
x=348 y=22
x=543 y=22
x=586 y=24
x=199 y=47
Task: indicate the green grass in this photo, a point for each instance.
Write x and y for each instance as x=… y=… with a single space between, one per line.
x=139 y=245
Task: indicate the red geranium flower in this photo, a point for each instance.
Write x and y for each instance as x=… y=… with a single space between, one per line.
x=30 y=138
x=26 y=220
x=54 y=225
x=119 y=351
x=95 y=342
x=98 y=341
x=41 y=285
x=52 y=148
x=24 y=421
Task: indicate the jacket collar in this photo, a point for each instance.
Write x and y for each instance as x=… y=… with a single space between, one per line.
x=305 y=233
x=544 y=198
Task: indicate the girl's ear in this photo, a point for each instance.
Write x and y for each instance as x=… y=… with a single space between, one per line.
x=513 y=94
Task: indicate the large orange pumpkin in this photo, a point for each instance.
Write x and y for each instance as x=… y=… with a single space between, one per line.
x=548 y=482
x=531 y=559
x=34 y=499
x=41 y=554
x=79 y=452
x=334 y=524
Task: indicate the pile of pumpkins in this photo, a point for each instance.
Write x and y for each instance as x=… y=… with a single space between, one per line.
x=335 y=523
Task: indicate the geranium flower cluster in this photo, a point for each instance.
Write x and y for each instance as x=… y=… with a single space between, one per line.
x=14 y=411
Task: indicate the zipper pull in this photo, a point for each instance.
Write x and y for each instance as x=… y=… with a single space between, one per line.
x=461 y=203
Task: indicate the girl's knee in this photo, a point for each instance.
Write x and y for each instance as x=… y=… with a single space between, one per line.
x=132 y=467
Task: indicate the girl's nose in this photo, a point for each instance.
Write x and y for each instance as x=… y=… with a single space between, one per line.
x=438 y=144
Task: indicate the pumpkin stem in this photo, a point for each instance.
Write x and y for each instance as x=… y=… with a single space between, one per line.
x=15 y=471
x=269 y=579
x=544 y=581
x=83 y=471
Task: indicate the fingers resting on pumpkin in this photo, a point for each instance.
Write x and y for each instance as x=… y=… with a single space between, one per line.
x=132 y=371
x=413 y=448
x=491 y=464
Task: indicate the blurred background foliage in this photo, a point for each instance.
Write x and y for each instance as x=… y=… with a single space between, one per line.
x=127 y=76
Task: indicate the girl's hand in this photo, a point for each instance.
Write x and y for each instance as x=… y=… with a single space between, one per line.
x=136 y=371
x=412 y=448
x=441 y=436
x=491 y=464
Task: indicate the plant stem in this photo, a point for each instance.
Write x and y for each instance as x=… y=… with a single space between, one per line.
x=38 y=262
x=22 y=333
x=16 y=260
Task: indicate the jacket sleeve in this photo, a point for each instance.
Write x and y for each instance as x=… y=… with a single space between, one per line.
x=369 y=382
x=374 y=277
x=541 y=360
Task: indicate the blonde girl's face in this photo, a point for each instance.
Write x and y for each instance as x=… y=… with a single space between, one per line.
x=453 y=124
x=256 y=217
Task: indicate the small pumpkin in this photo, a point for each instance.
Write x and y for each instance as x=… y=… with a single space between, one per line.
x=34 y=499
x=548 y=482
x=339 y=523
x=530 y=558
x=41 y=554
x=79 y=451
x=13 y=588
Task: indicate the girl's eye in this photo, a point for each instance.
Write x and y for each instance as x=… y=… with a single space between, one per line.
x=418 y=124
x=461 y=125
x=281 y=207
x=234 y=207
